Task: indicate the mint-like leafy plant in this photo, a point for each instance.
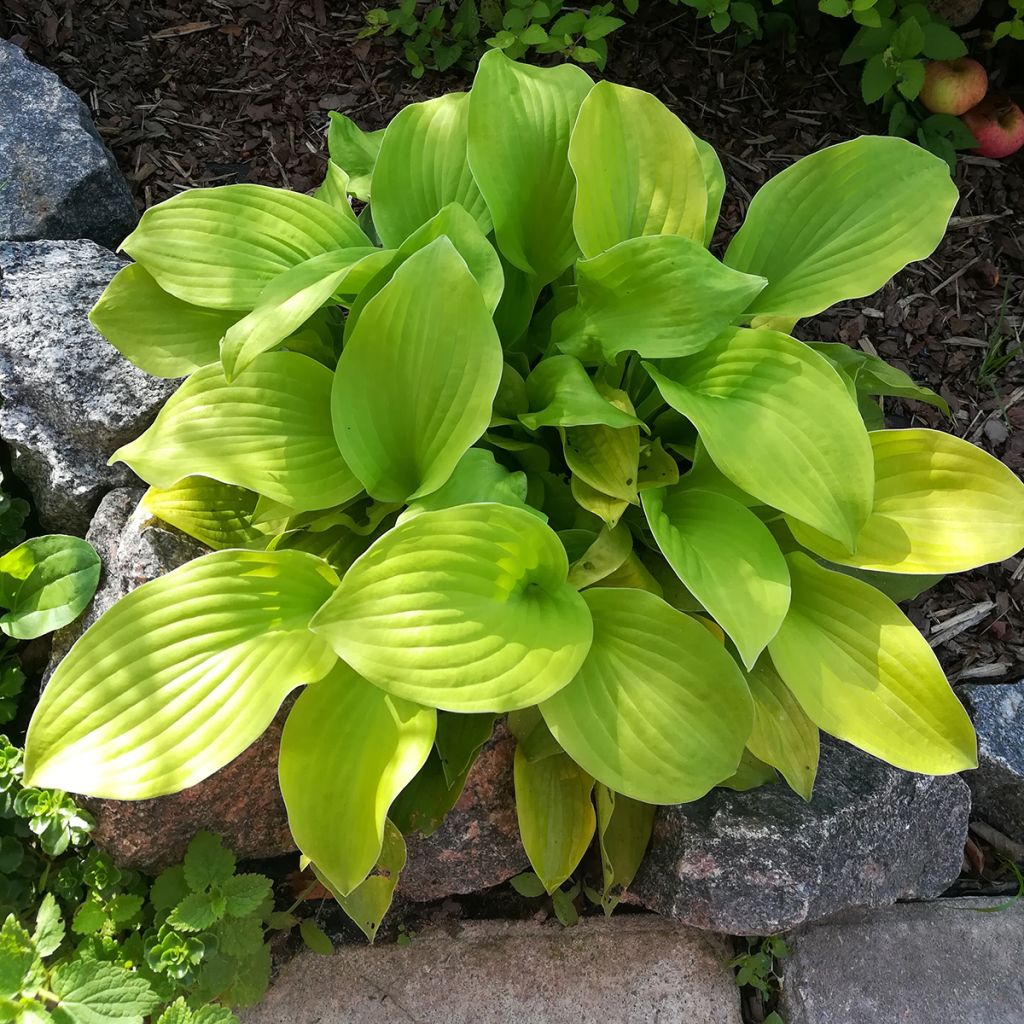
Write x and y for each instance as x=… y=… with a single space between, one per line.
x=514 y=441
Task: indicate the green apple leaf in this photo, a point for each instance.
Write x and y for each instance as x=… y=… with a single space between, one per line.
x=863 y=673
x=154 y=330
x=347 y=750
x=727 y=558
x=562 y=394
x=520 y=119
x=783 y=736
x=778 y=421
x=659 y=710
x=464 y=609
x=623 y=830
x=354 y=151
x=941 y=505
x=269 y=430
x=422 y=167
x=660 y=296
x=220 y=247
x=839 y=223
x=637 y=171
x=180 y=676
x=215 y=514
x=45 y=583
x=556 y=815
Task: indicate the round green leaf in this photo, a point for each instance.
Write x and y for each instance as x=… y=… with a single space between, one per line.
x=465 y=609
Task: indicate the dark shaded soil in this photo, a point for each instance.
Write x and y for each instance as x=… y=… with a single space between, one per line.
x=198 y=92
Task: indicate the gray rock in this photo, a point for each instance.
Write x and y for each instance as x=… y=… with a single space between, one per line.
x=242 y=802
x=759 y=862
x=478 y=845
x=956 y=12
x=626 y=970
x=68 y=399
x=997 y=786
x=914 y=963
x=60 y=181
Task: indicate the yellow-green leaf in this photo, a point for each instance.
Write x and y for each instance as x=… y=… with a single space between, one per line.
x=623 y=829
x=218 y=515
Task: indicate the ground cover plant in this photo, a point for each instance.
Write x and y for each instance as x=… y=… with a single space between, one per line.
x=512 y=441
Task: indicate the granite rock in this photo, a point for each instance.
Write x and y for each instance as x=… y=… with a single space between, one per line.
x=68 y=399
x=762 y=861
x=60 y=181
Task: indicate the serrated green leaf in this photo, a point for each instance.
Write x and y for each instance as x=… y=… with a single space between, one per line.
x=239 y=936
x=197 y=912
x=207 y=862
x=169 y=888
x=520 y=119
x=428 y=342
x=180 y=676
x=19 y=962
x=863 y=673
x=647 y=655
x=351 y=747
x=287 y=452
x=49 y=930
x=496 y=632
x=93 y=992
x=856 y=213
x=246 y=893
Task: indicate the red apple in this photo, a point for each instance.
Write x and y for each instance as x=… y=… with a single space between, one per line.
x=953 y=86
x=998 y=125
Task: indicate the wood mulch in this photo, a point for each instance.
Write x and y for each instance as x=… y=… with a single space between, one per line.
x=202 y=92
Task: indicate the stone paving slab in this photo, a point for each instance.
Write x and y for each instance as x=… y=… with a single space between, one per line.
x=626 y=970
x=924 y=963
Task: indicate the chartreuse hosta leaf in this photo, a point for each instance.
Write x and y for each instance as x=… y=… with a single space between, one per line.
x=941 y=505
x=45 y=583
x=659 y=710
x=555 y=812
x=459 y=739
x=839 y=223
x=180 y=676
x=465 y=609
x=863 y=673
x=520 y=119
x=779 y=422
x=601 y=555
x=562 y=394
x=334 y=189
x=728 y=560
x=269 y=430
x=220 y=247
x=428 y=344
x=286 y=304
x=421 y=168
x=637 y=171
x=623 y=830
x=156 y=331
x=606 y=458
x=660 y=296
x=354 y=151
x=347 y=750
x=219 y=515
x=783 y=736
x=714 y=183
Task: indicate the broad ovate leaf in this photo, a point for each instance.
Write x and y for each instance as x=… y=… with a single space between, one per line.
x=778 y=421
x=422 y=167
x=727 y=558
x=863 y=673
x=427 y=343
x=218 y=515
x=334 y=189
x=464 y=609
x=220 y=247
x=268 y=430
x=839 y=223
x=659 y=710
x=562 y=394
x=347 y=750
x=285 y=305
x=659 y=296
x=714 y=183
x=180 y=676
x=354 y=151
x=783 y=736
x=941 y=505
x=458 y=741
x=45 y=583
x=154 y=330
x=637 y=171
x=520 y=119
x=556 y=815
x=624 y=829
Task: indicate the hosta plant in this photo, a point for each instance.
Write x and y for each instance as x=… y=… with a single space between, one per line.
x=513 y=441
